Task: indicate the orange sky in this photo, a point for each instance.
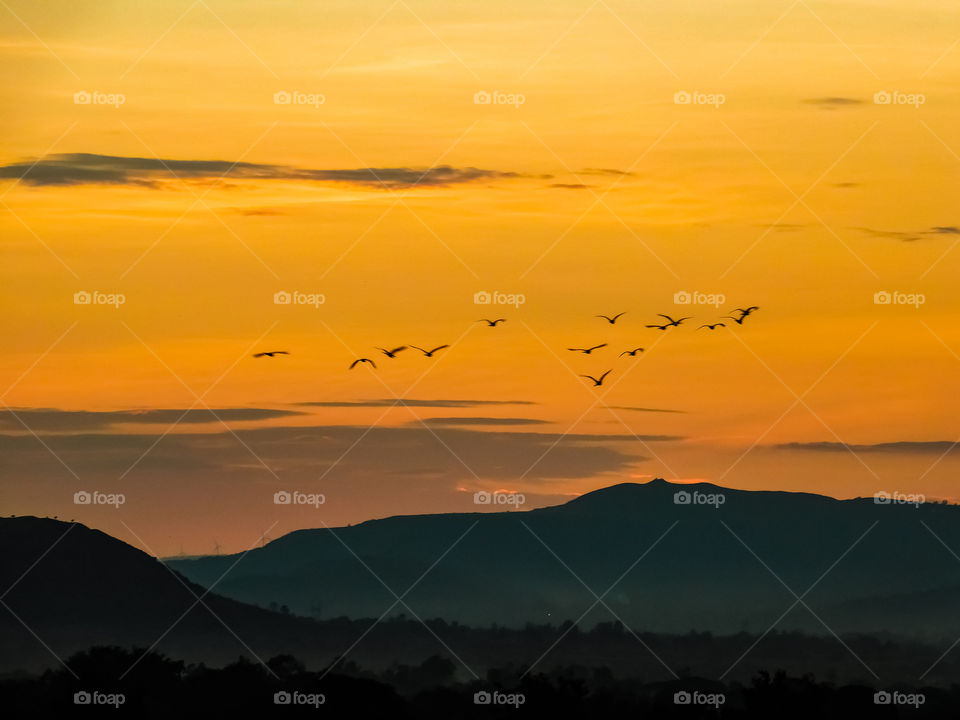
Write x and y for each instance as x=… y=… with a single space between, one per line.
x=799 y=189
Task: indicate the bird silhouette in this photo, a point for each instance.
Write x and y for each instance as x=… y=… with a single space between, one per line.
x=492 y=323
x=613 y=319
x=271 y=353
x=746 y=311
x=631 y=352
x=737 y=320
x=597 y=381
x=360 y=360
x=429 y=353
x=671 y=323
x=587 y=351
x=714 y=326
x=392 y=353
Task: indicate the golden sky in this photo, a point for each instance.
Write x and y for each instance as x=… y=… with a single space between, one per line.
x=816 y=165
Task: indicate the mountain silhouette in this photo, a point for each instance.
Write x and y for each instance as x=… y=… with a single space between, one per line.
x=706 y=573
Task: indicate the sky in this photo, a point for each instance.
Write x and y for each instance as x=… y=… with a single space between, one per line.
x=385 y=165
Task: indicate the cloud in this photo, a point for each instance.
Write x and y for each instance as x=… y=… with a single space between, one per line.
x=427 y=458
x=899 y=446
x=53 y=420
x=645 y=409
x=411 y=402
x=70 y=169
x=830 y=103
x=606 y=171
x=465 y=421
x=570 y=186
x=911 y=235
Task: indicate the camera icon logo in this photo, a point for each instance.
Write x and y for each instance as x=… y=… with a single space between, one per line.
x=81 y=498
x=82 y=297
x=282 y=698
x=682 y=98
x=482 y=298
x=682 y=697
x=282 y=497
x=482 y=498
x=82 y=698
x=282 y=297
x=681 y=497
x=882 y=297
x=82 y=98
x=482 y=698
x=882 y=697
x=881 y=497
x=682 y=297
x=281 y=97
x=482 y=97
x=882 y=98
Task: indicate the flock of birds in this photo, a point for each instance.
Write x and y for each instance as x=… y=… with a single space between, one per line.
x=391 y=353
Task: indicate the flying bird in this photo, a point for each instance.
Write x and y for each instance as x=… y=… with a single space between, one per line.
x=745 y=311
x=360 y=360
x=597 y=381
x=429 y=353
x=392 y=353
x=673 y=323
x=613 y=319
x=631 y=352
x=492 y=323
x=587 y=351
x=714 y=326
x=271 y=353
x=737 y=320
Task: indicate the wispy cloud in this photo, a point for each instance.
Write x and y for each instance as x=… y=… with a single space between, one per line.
x=70 y=169
x=899 y=446
x=54 y=420
x=414 y=402
x=912 y=235
x=830 y=103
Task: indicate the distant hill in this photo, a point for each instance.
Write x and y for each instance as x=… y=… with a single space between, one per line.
x=699 y=576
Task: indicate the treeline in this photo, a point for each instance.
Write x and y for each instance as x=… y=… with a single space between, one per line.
x=116 y=682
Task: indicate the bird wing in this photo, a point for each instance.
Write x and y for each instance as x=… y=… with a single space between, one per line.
x=597 y=347
x=439 y=347
x=591 y=377
x=618 y=315
x=577 y=350
x=259 y=354
x=353 y=364
x=425 y=352
x=604 y=317
x=605 y=374
x=667 y=317
x=396 y=350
